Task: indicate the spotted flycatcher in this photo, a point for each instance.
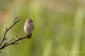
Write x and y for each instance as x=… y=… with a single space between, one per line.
x=28 y=26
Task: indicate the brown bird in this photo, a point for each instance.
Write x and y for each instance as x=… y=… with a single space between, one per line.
x=28 y=26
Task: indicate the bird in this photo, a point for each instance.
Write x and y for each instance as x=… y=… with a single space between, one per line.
x=28 y=26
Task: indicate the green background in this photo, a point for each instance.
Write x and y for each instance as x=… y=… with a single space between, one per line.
x=59 y=27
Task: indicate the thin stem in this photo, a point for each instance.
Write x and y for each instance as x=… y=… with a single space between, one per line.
x=7 y=29
x=13 y=40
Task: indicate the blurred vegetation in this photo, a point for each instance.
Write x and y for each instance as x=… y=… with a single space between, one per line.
x=59 y=27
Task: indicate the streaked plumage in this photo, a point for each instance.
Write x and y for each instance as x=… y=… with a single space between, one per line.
x=28 y=26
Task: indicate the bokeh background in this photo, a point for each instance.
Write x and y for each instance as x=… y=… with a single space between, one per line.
x=59 y=27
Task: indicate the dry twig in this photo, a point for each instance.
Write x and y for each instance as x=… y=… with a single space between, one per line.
x=11 y=41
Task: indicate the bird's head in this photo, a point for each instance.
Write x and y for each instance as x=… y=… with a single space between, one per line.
x=29 y=20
